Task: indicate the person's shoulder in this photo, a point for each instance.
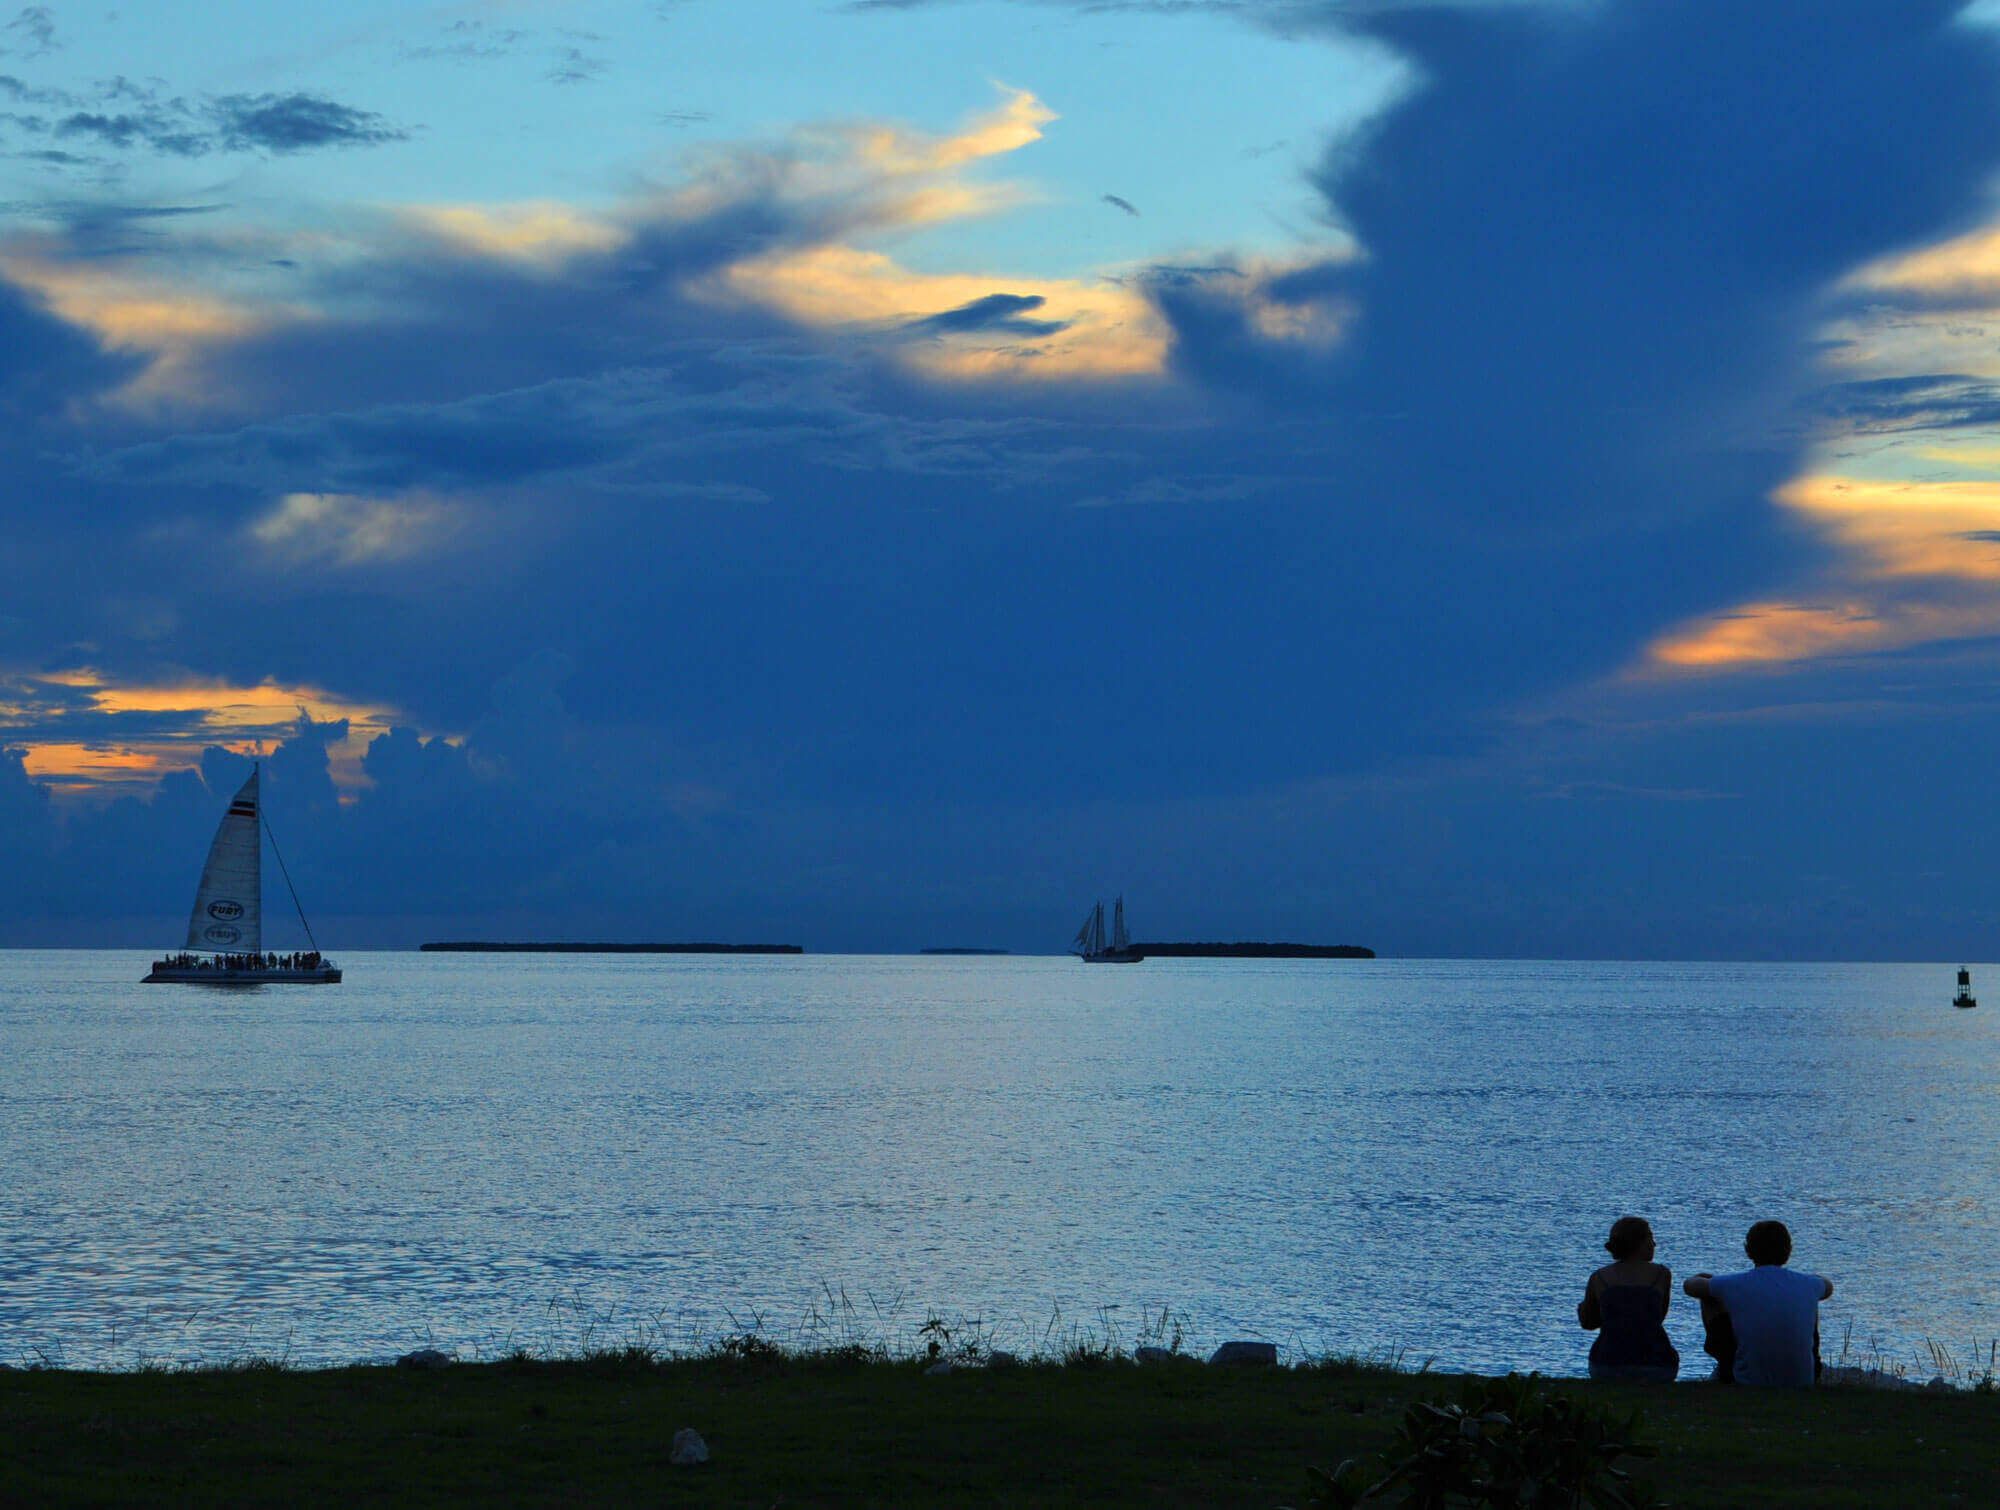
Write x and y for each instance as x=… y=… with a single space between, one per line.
x=1721 y=1282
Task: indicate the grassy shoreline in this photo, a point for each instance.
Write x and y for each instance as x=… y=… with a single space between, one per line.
x=851 y=1427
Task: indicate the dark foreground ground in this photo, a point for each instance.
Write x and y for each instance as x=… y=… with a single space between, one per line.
x=802 y=1434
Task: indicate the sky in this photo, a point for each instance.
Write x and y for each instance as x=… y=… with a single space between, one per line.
x=1494 y=478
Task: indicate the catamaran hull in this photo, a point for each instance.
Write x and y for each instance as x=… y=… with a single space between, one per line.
x=173 y=975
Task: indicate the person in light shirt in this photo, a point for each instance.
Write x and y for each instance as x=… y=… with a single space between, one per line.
x=1773 y=1311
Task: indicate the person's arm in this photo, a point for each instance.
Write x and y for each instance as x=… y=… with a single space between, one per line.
x=1589 y=1315
x=1665 y=1280
x=1826 y=1293
x=1697 y=1286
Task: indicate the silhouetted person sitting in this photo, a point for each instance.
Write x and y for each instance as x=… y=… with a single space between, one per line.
x=1625 y=1303
x=1763 y=1324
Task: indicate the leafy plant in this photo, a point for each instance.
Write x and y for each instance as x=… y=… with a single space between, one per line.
x=1504 y=1444
x=962 y=1342
x=1165 y=1330
x=749 y=1348
x=1343 y=1489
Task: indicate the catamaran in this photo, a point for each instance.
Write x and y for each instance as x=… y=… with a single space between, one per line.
x=1096 y=948
x=225 y=939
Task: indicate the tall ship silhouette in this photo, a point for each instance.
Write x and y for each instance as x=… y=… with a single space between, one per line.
x=1096 y=948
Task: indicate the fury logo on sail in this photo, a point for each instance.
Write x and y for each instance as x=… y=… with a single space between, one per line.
x=221 y=933
x=224 y=908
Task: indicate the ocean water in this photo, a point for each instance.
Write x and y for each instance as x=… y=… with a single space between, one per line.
x=1392 y=1157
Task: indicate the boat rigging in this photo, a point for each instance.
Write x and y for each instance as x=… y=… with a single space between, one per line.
x=1096 y=948
x=225 y=937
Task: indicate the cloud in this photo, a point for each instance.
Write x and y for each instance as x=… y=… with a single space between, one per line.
x=125 y=115
x=543 y=233
x=1963 y=269
x=760 y=542
x=344 y=530
x=1909 y=404
x=1915 y=564
x=1015 y=124
x=1501 y=399
x=1095 y=330
x=994 y=312
x=44 y=361
x=34 y=27
x=155 y=325
x=84 y=732
x=468 y=40
x=764 y=231
x=162 y=130
x=573 y=66
x=297 y=123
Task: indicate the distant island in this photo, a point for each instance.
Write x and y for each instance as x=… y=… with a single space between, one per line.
x=480 y=946
x=1254 y=951
x=957 y=950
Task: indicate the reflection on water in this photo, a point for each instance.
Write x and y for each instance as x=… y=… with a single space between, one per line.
x=1346 y=1155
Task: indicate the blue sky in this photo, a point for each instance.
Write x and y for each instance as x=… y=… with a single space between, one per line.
x=1470 y=479
x=582 y=102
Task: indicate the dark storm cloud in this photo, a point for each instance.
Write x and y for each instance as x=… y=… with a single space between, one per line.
x=558 y=426
x=192 y=727
x=1005 y=312
x=1551 y=431
x=780 y=568
x=1625 y=275
x=45 y=363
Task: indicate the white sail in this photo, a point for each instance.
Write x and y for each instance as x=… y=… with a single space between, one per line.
x=228 y=913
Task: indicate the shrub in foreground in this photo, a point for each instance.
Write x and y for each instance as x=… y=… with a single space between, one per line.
x=1509 y=1444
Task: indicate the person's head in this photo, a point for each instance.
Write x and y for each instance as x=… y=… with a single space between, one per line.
x=1631 y=1237
x=1768 y=1243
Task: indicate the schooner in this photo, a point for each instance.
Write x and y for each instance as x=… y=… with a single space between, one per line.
x=1098 y=949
